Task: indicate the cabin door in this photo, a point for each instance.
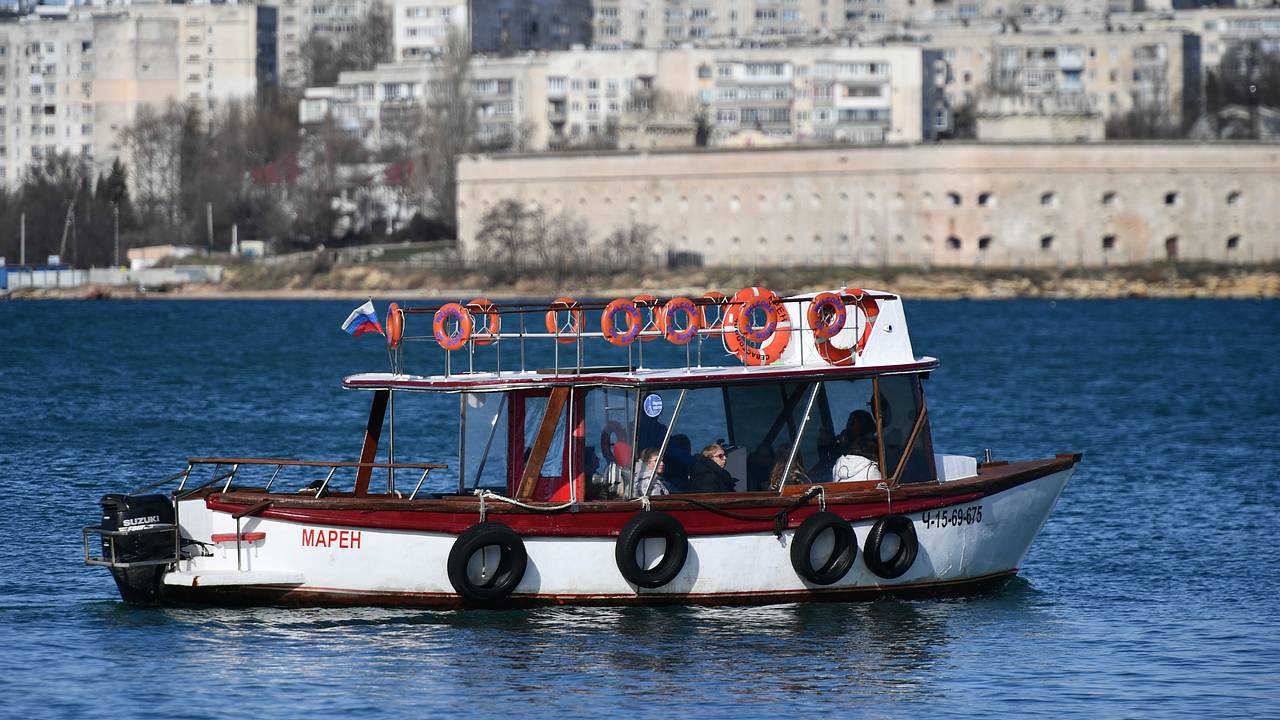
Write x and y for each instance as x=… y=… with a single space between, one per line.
x=543 y=457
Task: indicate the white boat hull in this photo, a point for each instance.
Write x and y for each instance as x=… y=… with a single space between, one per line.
x=962 y=547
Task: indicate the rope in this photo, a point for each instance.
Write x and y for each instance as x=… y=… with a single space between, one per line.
x=512 y=501
x=779 y=518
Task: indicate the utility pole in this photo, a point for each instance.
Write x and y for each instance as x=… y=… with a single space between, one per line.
x=115 y=221
x=208 y=224
x=22 y=233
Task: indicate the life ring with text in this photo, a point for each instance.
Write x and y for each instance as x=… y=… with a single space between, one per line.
x=903 y=558
x=652 y=329
x=844 y=549
x=666 y=321
x=609 y=327
x=826 y=315
x=395 y=325
x=456 y=338
x=647 y=525
x=615 y=450
x=844 y=355
x=569 y=332
x=493 y=582
x=756 y=345
x=484 y=308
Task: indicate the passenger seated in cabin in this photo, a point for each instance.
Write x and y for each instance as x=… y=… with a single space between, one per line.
x=858 y=460
x=759 y=465
x=795 y=477
x=650 y=474
x=708 y=473
x=678 y=461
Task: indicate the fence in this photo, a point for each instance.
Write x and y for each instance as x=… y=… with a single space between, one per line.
x=42 y=278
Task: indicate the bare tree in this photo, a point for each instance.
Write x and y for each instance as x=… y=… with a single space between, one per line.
x=368 y=43
x=152 y=145
x=449 y=126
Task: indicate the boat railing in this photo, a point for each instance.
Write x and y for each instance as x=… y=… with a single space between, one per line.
x=319 y=488
x=565 y=320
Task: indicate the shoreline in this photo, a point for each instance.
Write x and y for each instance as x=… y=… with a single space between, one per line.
x=358 y=282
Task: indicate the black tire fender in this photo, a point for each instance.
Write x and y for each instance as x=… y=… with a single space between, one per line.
x=646 y=525
x=908 y=546
x=512 y=561
x=843 y=553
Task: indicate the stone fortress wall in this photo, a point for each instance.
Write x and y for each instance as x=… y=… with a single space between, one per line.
x=958 y=205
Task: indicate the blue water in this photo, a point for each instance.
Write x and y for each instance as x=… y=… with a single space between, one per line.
x=1154 y=590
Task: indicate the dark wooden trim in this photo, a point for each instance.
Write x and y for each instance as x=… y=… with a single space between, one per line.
x=252 y=509
x=453 y=514
x=325 y=597
x=542 y=442
x=911 y=443
x=372 y=432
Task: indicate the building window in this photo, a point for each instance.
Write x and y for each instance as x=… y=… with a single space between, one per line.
x=1108 y=242
x=1234 y=197
x=1171 y=198
x=1048 y=199
x=954 y=198
x=986 y=199
x=1171 y=247
x=984 y=242
x=1108 y=198
x=1046 y=242
x=1233 y=242
x=953 y=243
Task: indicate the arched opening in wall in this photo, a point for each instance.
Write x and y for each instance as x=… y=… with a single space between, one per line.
x=735 y=240
x=844 y=198
x=1171 y=198
x=1048 y=198
x=984 y=243
x=633 y=203
x=1234 y=197
x=953 y=243
x=1046 y=242
x=815 y=201
x=926 y=198
x=954 y=198
x=582 y=201
x=684 y=204
x=1109 y=198
x=708 y=202
x=1233 y=242
x=1108 y=242
x=986 y=199
x=734 y=203
x=1171 y=247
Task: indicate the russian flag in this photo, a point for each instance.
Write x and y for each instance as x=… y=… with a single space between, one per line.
x=362 y=320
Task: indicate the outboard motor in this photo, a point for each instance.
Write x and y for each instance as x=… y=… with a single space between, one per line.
x=148 y=521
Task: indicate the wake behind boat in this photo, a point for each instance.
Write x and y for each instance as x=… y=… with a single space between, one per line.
x=806 y=472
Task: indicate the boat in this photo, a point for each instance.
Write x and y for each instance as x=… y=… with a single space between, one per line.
x=800 y=469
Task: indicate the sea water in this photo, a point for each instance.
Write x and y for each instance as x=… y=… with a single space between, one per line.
x=1154 y=589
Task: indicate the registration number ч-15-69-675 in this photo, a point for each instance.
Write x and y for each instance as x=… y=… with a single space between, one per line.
x=971 y=515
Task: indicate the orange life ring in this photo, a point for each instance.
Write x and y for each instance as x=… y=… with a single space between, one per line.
x=716 y=300
x=669 y=330
x=615 y=451
x=484 y=307
x=844 y=356
x=610 y=331
x=652 y=330
x=573 y=326
x=772 y=343
x=395 y=325
x=461 y=333
x=826 y=316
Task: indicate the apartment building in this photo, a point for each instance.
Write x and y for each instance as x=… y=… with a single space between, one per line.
x=1105 y=72
x=511 y=26
x=299 y=20
x=581 y=98
x=421 y=26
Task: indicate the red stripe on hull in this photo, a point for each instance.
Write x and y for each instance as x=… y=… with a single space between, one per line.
x=337 y=597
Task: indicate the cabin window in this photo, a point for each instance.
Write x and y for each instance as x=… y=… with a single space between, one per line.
x=901 y=406
x=483 y=455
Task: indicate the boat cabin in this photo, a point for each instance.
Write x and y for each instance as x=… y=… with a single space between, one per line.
x=840 y=400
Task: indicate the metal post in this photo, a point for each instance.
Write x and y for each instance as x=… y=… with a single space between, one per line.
x=662 y=449
x=391 y=442
x=22 y=253
x=208 y=224
x=462 y=441
x=795 y=446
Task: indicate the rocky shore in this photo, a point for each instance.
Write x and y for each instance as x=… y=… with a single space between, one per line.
x=312 y=281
